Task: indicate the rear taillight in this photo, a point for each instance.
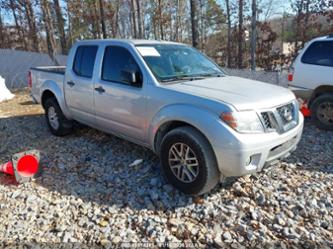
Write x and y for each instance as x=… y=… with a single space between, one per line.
x=290 y=76
x=291 y=73
x=29 y=79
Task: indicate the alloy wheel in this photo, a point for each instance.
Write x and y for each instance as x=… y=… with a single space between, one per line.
x=325 y=113
x=53 y=118
x=183 y=162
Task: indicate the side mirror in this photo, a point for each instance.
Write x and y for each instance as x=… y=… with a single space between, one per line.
x=131 y=77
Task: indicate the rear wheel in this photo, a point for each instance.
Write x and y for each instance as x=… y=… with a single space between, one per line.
x=322 y=111
x=58 y=124
x=188 y=161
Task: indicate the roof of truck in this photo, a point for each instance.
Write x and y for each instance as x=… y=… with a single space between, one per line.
x=131 y=41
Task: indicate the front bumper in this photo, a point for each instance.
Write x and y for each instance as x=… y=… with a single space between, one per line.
x=242 y=154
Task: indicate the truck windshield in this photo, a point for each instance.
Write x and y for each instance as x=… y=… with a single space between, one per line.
x=170 y=62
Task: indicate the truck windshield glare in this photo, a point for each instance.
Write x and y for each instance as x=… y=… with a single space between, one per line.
x=176 y=62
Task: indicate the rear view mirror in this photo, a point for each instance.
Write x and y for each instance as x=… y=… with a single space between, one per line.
x=131 y=77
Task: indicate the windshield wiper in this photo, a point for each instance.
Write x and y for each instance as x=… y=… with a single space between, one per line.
x=211 y=75
x=179 y=78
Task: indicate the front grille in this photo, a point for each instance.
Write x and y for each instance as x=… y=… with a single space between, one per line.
x=267 y=121
x=280 y=119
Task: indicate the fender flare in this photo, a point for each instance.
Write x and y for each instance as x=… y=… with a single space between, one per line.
x=321 y=89
x=52 y=86
x=203 y=120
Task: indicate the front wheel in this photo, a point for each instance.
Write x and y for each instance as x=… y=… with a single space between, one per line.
x=58 y=124
x=322 y=111
x=188 y=161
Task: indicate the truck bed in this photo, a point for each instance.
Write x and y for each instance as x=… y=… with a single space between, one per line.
x=39 y=75
x=51 y=69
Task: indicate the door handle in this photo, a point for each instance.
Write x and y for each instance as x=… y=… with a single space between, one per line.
x=70 y=83
x=100 y=89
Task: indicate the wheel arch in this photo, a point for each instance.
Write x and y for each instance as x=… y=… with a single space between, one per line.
x=322 y=89
x=46 y=95
x=52 y=89
x=169 y=126
x=175 y=116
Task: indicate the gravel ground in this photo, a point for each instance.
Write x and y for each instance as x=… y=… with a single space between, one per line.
x=88 y=193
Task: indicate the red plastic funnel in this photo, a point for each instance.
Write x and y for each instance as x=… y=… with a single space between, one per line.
x=27 y=166
x=7 y=168
x=23 y=165
x=306 y=112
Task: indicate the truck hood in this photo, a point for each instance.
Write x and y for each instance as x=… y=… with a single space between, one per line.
x=243 y=94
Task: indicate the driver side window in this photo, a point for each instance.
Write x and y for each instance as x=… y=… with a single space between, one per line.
x=116 y=61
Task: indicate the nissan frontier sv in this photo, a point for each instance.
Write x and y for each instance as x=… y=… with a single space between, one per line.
x=203 y=124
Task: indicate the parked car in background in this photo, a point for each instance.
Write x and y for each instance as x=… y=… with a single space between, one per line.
x=311 y=79
x=203 y=124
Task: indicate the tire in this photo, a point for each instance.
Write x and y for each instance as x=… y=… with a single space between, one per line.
x=205 y=174
x=58 y=124
x=322 y=111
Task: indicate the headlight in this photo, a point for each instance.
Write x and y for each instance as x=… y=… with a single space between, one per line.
x=245 y=122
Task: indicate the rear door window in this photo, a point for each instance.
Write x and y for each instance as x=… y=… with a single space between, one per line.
x=85 y=60
x=319 y=53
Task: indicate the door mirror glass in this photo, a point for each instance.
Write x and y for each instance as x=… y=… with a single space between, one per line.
x=131 y=77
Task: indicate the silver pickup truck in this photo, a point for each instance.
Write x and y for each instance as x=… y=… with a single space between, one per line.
x=203 y=124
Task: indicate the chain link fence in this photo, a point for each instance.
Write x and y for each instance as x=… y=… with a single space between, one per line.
x=273 y=77
x=14 y=67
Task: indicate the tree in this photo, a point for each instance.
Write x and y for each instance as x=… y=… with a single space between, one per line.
x=229 y=33
x=253 y=35
x=306 y=21
x=202 y=22
x=2 y=32
x=266 y=56
x=30 y=16
x=14 y=7
x=95 y=19
x=307 y=24
x=240 y=34
x=161 y=22
x=298 y=5
x=101 y=12
x=45 y=25
x=48 y=25
x=116 y=18
x=211 y=20
x=177 y=26
x=138 y=9
x=60 y=26
x=133 y=19
x=194 y=23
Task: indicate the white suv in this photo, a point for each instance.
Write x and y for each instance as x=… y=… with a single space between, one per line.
x=311 y=79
